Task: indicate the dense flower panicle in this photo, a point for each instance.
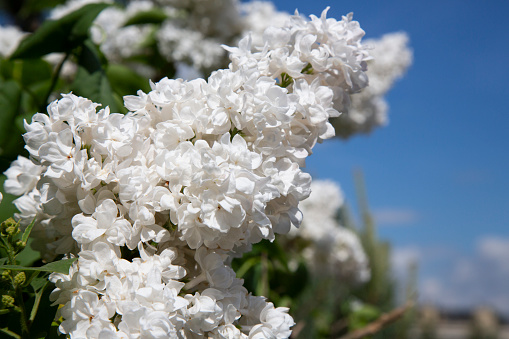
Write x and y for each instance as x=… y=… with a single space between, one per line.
x=152 y=202
x=321 y=48
x=391 y=59
x=335 y=250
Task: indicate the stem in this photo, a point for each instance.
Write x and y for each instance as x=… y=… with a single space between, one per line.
x=54 y=80
x=263 y=287
x=37 y=301
x=12 y=334
x=10 y=251
x=195 y=281
x=384 y=320
x=23 y=317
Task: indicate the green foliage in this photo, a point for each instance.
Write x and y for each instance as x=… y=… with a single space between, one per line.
x=24 y=289
x=60 y=266
x=62 y=35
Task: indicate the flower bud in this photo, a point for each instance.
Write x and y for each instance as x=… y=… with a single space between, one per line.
x=7 y=301
x=20 y=245
x=19 y=278
x=6 y=275
x=6 y=226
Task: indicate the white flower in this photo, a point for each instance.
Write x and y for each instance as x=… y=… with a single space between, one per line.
x=22 y=176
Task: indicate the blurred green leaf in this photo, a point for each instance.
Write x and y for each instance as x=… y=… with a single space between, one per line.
x=362 y=316
x=125 y=81
x=62 y=35
x=6 y=68
x=34 y=71
x=154 y=16
x=10 y=94
x=34 y=6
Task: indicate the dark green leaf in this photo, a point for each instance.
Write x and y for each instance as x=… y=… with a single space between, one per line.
x=62 y=35
x=90 y=57
x=38 y=283
x=6 y=68
x=61 y=266
x=153 y=16
x=96 y=87
x=34 y=6
x=34 y=71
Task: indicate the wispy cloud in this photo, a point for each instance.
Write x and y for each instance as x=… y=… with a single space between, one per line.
x=393 y=216
x=478 y=279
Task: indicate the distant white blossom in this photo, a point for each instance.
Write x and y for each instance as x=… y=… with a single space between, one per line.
x=391 y=59
x=335 y=250
x=10 y=37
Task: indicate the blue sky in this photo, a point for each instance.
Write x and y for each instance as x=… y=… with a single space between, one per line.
x=438 y=175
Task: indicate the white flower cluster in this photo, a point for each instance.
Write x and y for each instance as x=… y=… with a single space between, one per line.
x=335 y=250
x=391 y=59
x=152 y=202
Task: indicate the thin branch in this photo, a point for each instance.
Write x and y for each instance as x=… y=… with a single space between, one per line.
x=377 y=325
x=12 y=334
x=38 y=297
x=54 y=80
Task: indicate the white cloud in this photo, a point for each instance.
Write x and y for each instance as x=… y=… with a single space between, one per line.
x=390 y=216
x=468 y=281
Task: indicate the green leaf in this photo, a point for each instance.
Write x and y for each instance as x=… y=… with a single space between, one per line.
x=62 y=35
x=27 y=232
x=153 y=16
x=34 y=71
x=91 y=80
x=61 y=266
x=125 y=81
x=38 y=282
x=96 y=87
